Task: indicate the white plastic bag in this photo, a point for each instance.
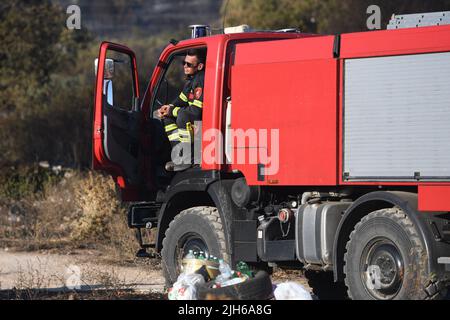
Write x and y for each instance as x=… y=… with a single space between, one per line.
x=291 y=291
x=185 y=288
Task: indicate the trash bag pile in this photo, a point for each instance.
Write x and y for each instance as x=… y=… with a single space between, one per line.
x=199 y=268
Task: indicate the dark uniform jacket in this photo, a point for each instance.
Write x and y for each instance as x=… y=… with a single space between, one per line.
x=191 y=97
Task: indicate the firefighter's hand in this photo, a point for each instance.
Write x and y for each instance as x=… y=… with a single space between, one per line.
x=163 y=111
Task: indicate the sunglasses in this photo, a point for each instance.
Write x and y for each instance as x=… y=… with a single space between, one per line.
x=190 y=65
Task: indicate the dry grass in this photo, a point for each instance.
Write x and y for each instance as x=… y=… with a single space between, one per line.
x=96 y=198
x=40 y=220
x=102 y=223
x=34 y=282
x=80 y=210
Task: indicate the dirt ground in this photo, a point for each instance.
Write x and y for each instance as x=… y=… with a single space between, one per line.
x=83 y=275
x=40 y=273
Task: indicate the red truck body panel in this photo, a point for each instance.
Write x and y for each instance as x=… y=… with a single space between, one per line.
x=434 y=198
x=289 y=92
x=395 y=42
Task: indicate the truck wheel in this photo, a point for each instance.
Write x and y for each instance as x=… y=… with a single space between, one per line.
x=197 y=229
x=323 y=285
x=385 y=258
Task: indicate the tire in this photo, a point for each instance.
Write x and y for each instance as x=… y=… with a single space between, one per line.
x=387 y=241
x=257 y=288
x=323 y=285
x=194 y=227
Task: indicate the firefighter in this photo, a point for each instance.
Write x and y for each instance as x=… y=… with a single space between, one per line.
x=178 y=117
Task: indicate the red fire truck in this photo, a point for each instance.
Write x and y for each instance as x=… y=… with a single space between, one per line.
x=329 y=153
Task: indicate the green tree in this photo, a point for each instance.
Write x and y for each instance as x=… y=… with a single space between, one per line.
x=324 y=16
x=30 y=32
x=271 y=14
x=41 y=84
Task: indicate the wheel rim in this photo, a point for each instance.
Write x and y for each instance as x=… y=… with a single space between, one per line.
x=190 y=241
x=382 y=268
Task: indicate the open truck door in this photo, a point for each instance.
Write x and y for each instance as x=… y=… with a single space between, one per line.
x=117 y=120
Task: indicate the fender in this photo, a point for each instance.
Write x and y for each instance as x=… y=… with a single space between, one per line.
x=183 y=182
x=406 y=201
x=208 y=189
x=220 y=192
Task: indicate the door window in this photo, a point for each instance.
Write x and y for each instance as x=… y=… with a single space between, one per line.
x=172 y=82
x=118 y=85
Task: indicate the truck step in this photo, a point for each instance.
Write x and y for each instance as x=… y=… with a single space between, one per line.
x=143 y=215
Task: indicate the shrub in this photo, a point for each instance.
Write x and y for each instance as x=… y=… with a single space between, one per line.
x=96 y=197
x=21 y=182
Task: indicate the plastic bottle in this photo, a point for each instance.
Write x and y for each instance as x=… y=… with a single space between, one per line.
x=201 y=256
x=225 y=270
x=190 y=255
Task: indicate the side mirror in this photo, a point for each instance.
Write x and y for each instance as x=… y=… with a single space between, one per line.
x=109 y=68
